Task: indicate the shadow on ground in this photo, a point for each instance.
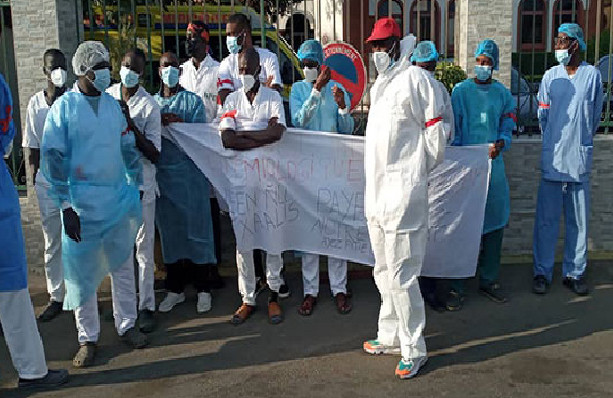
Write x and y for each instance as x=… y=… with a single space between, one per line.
x=186 y=343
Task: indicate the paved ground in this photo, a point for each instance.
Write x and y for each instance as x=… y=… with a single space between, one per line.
x=553 y=346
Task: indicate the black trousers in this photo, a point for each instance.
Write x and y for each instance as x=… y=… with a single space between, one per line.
x=183 y=272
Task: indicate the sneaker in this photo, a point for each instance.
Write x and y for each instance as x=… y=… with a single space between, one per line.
x=85 y=356
x=578 y=286
x=409 y=369
x=374 y=347
x=146 y=321
x=204 y=302
x=53 y=379
x=494 y=293
x=242 y=314
x=135 y=339
x=170 y=301
x=454 y=301
x=539 y=284
x=284 y=291
x=53 y=309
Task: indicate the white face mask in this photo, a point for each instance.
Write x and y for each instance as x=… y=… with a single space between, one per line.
x=383 y=59
x=248 y=81
x=58 y=77
x=310 y=74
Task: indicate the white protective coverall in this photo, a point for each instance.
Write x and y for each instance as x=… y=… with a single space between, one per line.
x=405 y=140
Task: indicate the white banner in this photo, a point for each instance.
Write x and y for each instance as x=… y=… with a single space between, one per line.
x=306 y=193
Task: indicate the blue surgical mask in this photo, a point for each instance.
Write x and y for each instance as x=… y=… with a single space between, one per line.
x=129 y=78
x=563 y=57
x=232 y=44
x=483 y=72
x=170 y=76
x=102 y=79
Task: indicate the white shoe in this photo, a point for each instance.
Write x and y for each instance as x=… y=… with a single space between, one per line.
x=170 y=301
x=204 y=302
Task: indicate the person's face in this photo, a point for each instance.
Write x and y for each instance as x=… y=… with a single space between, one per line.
x=429 y=66
x=248 y=66
x=199 y=44
x=234 y=29
x=484 y=60
x=99 y=66
x=134 y=63
x=309 y=63
x=563 y=42
x=166 y=61
x=52 y=62
x=386 y=45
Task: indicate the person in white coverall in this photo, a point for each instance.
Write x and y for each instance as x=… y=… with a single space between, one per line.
x=405 y=140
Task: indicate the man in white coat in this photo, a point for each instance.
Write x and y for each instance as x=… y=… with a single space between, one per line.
x=405 y=140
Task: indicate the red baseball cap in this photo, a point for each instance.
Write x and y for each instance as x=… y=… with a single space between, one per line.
x=384 y=28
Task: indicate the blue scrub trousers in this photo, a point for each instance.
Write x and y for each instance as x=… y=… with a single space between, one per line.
x=574 y=198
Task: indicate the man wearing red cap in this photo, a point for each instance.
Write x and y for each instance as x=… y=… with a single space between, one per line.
x=405 y=140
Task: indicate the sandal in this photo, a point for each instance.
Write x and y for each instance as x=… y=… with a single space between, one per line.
x=85 y=356
x=308 y=304
x=275 y=313
x=242 y=314
x=343 y=306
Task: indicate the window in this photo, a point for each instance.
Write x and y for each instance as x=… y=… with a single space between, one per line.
x=450 y=27
x=565 y=11
x=532 y=22
x=421 y=20
x=383 y=11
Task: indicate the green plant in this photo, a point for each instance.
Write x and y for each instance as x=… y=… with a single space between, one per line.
x=449 y=74
x=120 y=44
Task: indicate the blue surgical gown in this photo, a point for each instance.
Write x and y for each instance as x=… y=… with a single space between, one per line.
x=13 y=267
x=569 y=114
x=319 y=112
x=485 y=113
x=91 y=161
x=183 y=210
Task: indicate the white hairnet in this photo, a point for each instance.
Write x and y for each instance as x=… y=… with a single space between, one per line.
x=88 y=54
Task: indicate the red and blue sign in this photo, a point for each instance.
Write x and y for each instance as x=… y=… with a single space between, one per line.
x=347 y=68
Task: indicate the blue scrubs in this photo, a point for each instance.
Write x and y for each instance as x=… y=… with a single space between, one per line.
x=91 y=161
x=312 y=110
x=485 y=113
x=183 y=210
x=13 y=266
x=569 y=115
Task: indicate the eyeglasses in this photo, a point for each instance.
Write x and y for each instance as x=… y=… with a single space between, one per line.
x=563 y=40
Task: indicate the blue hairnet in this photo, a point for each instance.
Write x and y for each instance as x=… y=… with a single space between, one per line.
x=425 y=52
x=311 y=49
x=573 y=30
x=489 y=48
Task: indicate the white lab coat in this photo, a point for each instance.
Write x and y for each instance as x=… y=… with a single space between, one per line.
x=49 y=211
x=405 y=140
x=145 y=112
x=202 y=81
